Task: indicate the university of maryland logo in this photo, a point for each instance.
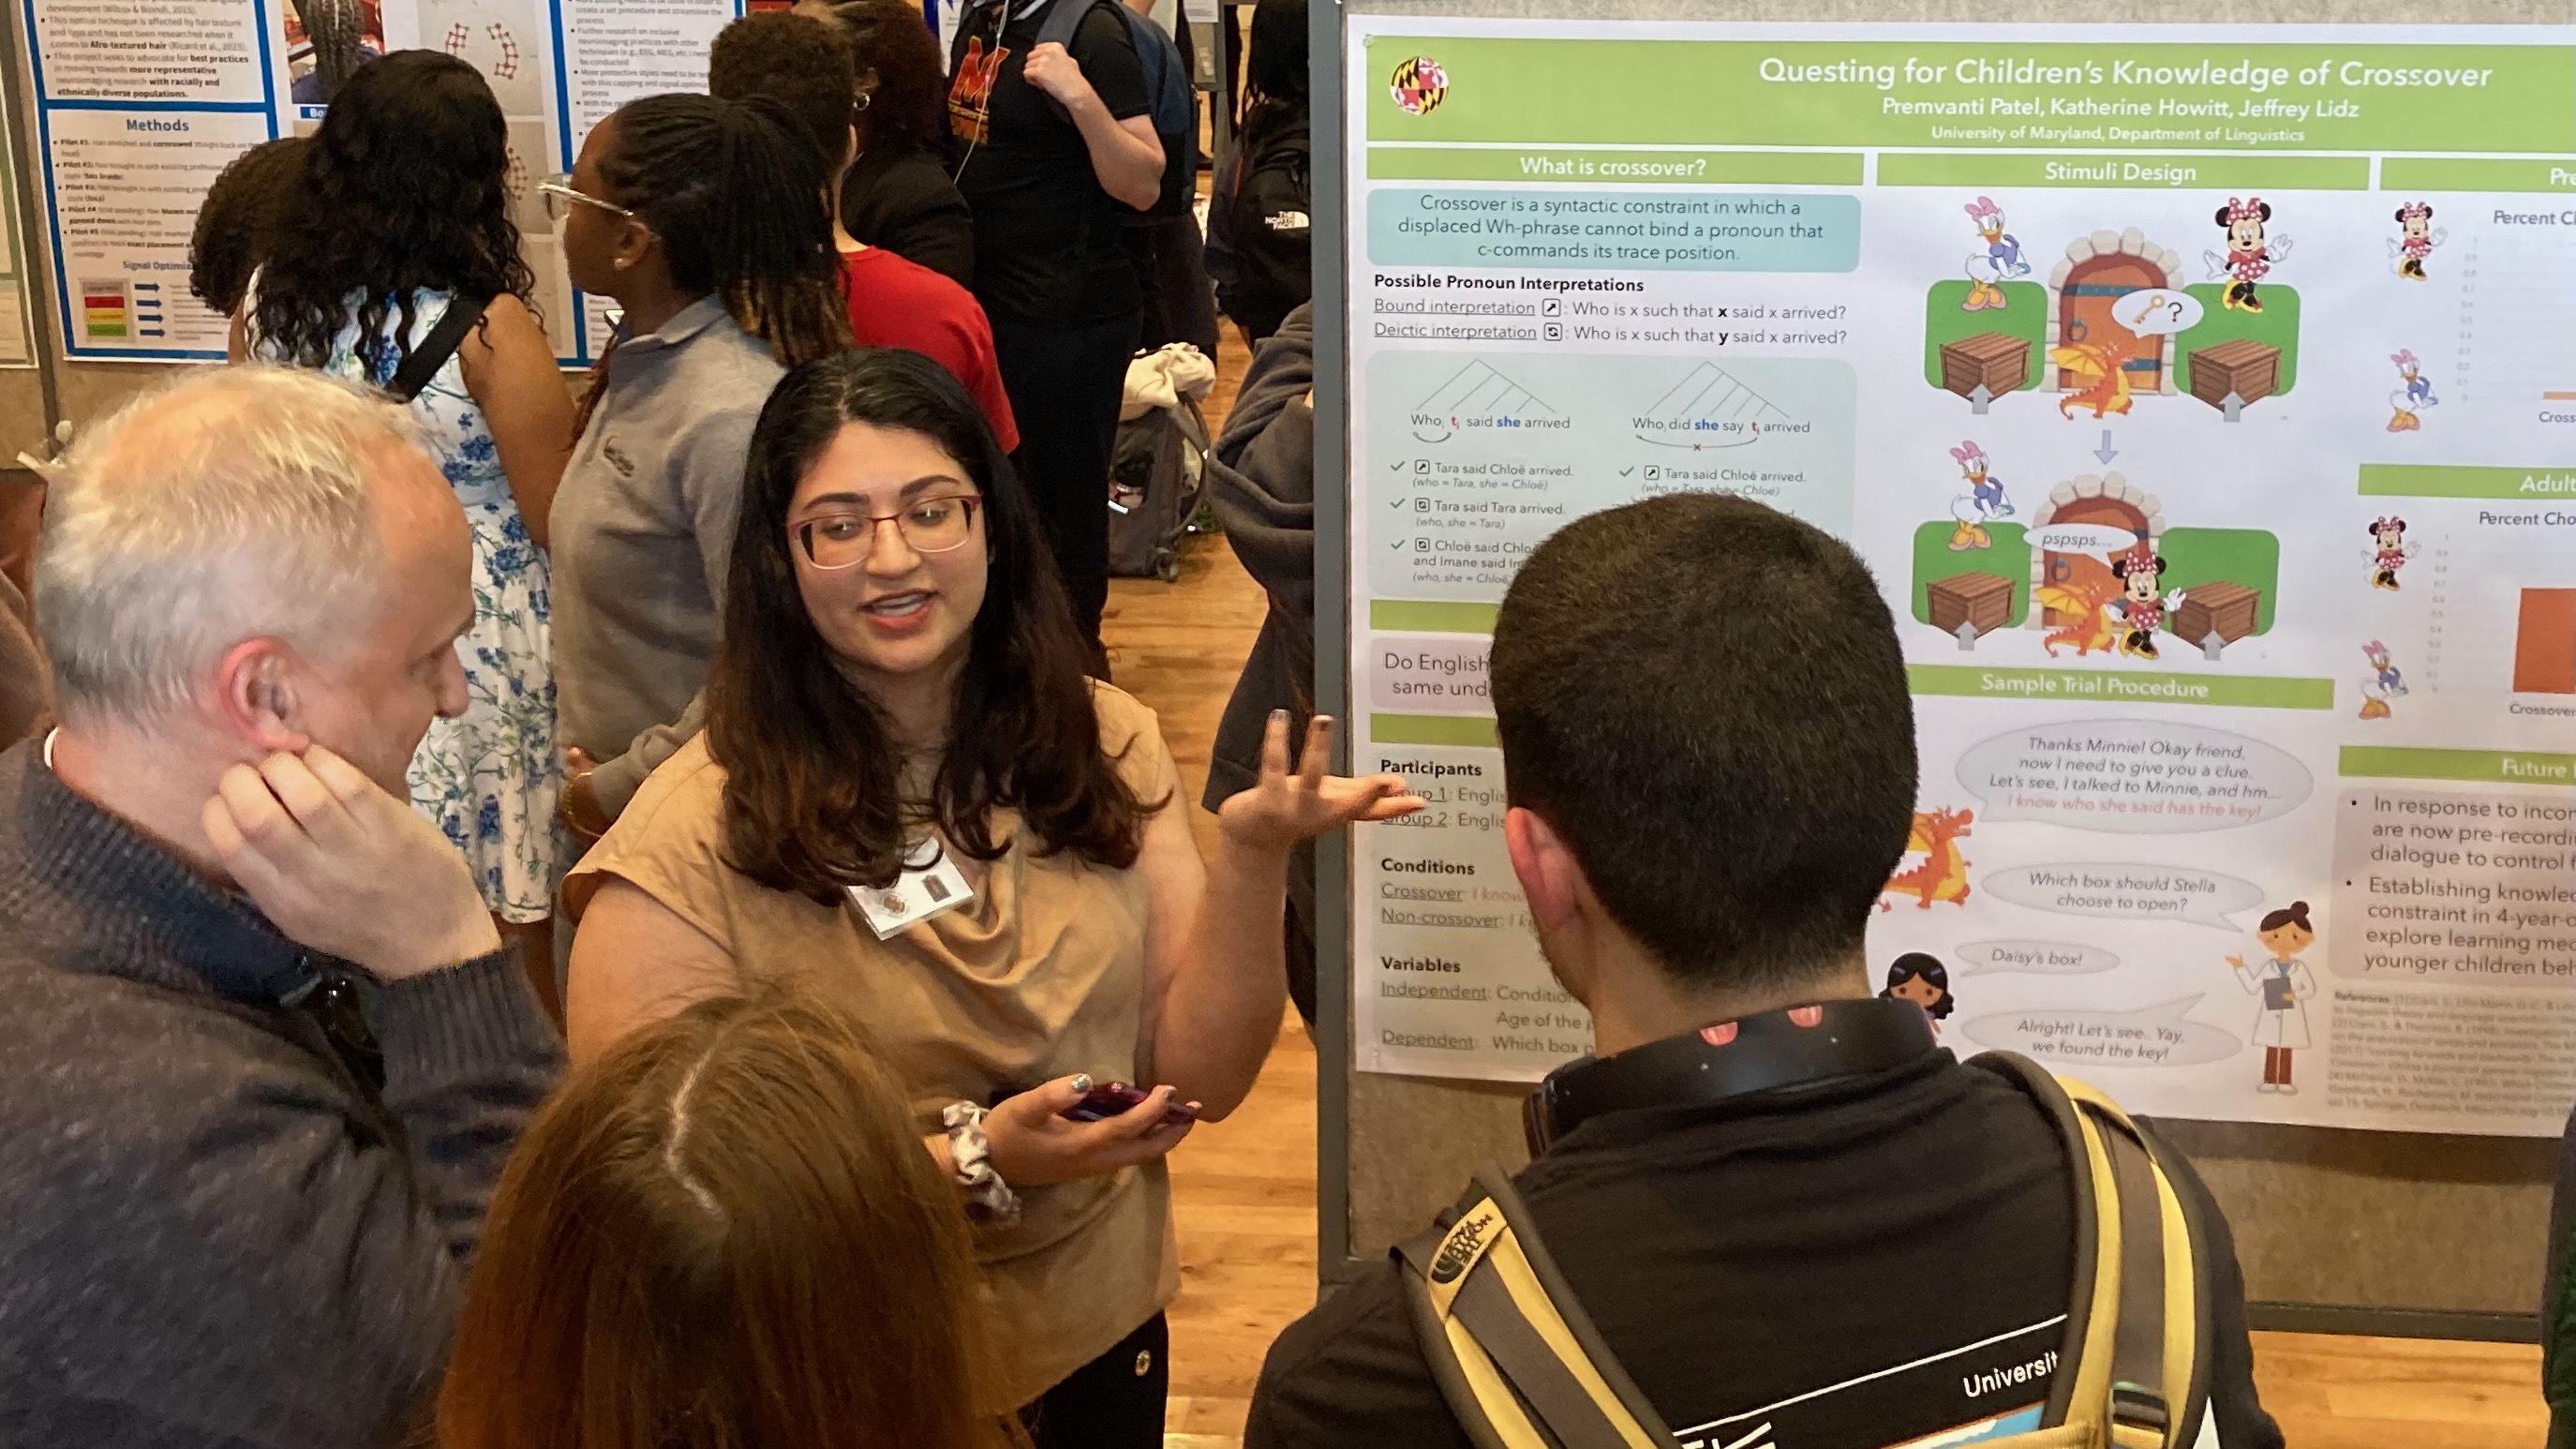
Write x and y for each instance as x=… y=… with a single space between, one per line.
x=1420 y=85
x=970 y=93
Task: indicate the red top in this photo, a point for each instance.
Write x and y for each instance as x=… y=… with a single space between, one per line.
x=896 y=303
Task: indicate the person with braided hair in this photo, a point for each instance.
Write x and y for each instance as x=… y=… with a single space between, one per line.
x=703 y=221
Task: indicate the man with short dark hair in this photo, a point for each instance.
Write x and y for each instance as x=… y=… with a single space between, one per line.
x=1709 y=749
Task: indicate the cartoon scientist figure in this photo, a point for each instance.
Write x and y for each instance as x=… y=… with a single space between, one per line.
x=2281 y=1022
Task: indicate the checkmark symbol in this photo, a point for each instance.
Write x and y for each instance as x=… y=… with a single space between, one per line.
x=1398 y=545
x=1399 y=503
x=1397 y=466
x=1624 y=472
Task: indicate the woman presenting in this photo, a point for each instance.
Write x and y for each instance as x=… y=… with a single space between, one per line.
x=907 y=792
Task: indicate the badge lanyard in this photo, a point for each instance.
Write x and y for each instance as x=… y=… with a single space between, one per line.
x=930 y=884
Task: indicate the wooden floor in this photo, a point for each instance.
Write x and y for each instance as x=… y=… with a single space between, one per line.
x=1245 y=1188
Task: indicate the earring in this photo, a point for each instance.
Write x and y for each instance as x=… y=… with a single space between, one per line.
x=866 y=99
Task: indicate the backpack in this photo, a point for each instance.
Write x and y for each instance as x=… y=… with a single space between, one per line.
x=1273 y=267
x=1157 y=470
x=1171 y=102
x=1523 y=1368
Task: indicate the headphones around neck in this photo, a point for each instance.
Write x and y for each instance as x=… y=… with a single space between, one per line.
x=1802 y=1046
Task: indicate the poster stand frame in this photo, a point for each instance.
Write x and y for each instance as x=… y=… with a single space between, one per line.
x=1338 y=1257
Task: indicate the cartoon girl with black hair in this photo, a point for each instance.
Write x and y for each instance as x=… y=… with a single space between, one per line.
x=2281 y=1022
x=2251 y=250
x=1923 y=980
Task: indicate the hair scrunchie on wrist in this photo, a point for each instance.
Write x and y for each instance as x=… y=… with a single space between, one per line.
x=973 y=1153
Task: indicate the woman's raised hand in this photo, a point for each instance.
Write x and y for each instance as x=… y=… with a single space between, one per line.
x=1283 y=809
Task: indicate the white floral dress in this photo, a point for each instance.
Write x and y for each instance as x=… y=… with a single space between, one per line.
x=490 y=777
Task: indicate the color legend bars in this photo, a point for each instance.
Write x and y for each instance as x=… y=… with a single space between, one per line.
x=105 y=309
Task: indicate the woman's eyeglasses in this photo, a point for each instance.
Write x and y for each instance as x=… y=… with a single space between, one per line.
x=931 y=525
x=561 y=198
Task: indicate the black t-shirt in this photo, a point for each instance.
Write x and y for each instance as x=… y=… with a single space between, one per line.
x=902 y=200
x=1853 y=1266
x=1048 y=250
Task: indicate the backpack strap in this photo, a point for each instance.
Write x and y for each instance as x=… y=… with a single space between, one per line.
x=2136 y=1360
x=1520 y=1364
x=434 y=350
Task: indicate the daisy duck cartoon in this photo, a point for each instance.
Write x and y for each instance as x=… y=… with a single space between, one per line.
x=2415 y=240
x=1983 y=503
x=2384 y=682
x=2251 y=250
x=1999 y=263
x=2413 y=394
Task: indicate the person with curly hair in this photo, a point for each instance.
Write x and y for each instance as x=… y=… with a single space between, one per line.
x=237 y=223
x=403 y=213
x=897 y=194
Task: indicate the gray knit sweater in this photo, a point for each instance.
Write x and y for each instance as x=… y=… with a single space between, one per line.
x=209 y=1234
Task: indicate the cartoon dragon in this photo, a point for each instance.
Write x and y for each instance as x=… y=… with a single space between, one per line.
x=2087 y=605
x=1943 y=875
x=2102 y=369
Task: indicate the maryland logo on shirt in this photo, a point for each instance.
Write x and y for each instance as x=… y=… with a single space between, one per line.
x=970 y=93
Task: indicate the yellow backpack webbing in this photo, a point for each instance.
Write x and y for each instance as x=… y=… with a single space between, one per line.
x=1522 y=1366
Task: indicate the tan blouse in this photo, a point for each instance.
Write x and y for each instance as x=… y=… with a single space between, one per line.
x=1042 y=976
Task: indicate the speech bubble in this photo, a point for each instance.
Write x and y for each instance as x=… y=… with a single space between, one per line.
x=2081 y=538
x=2037 y=958
x=2133 y=777
x=2129 y=892
x=2151 y=1036
x=2156 y=311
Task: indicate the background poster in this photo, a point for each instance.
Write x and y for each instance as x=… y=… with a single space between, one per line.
x=2204 y=400
x=139 y=107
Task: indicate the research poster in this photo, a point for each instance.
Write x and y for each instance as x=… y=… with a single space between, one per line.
x=139 y=107
x=2203 y=399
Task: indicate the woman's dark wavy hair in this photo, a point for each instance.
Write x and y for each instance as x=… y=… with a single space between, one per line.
x=735 y=191
x=910 y=105
x=404 y=187
x=812 y=802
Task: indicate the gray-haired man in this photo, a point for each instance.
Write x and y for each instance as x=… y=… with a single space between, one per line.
x=234 y=1214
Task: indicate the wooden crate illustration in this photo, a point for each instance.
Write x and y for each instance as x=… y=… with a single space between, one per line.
x=2251 y=370
x=2226 y=610
x=1981 y=600
x=1998 y=362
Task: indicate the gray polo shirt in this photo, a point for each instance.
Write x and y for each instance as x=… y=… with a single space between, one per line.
x=642 y=528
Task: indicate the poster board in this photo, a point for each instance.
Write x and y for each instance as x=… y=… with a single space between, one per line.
x=133 y=122
x=1592 y=259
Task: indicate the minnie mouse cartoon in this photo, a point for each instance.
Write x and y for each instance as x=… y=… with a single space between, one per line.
x=2389 y=534
x=2139 y=607
x=2251 y=251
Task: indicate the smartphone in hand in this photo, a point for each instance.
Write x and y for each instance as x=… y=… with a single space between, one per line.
x=1114 y=1098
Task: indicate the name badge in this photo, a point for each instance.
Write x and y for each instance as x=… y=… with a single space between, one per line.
x=930 y=884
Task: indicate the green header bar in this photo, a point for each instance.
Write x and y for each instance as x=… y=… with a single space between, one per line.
x=2484 y=767
x=2436 y=480
x=1674 y=168
x=1433 y=729
x=2226 y=173
x=2435 y=173
x=2230 y=691
x=1429 y=616
x=2084 y=95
